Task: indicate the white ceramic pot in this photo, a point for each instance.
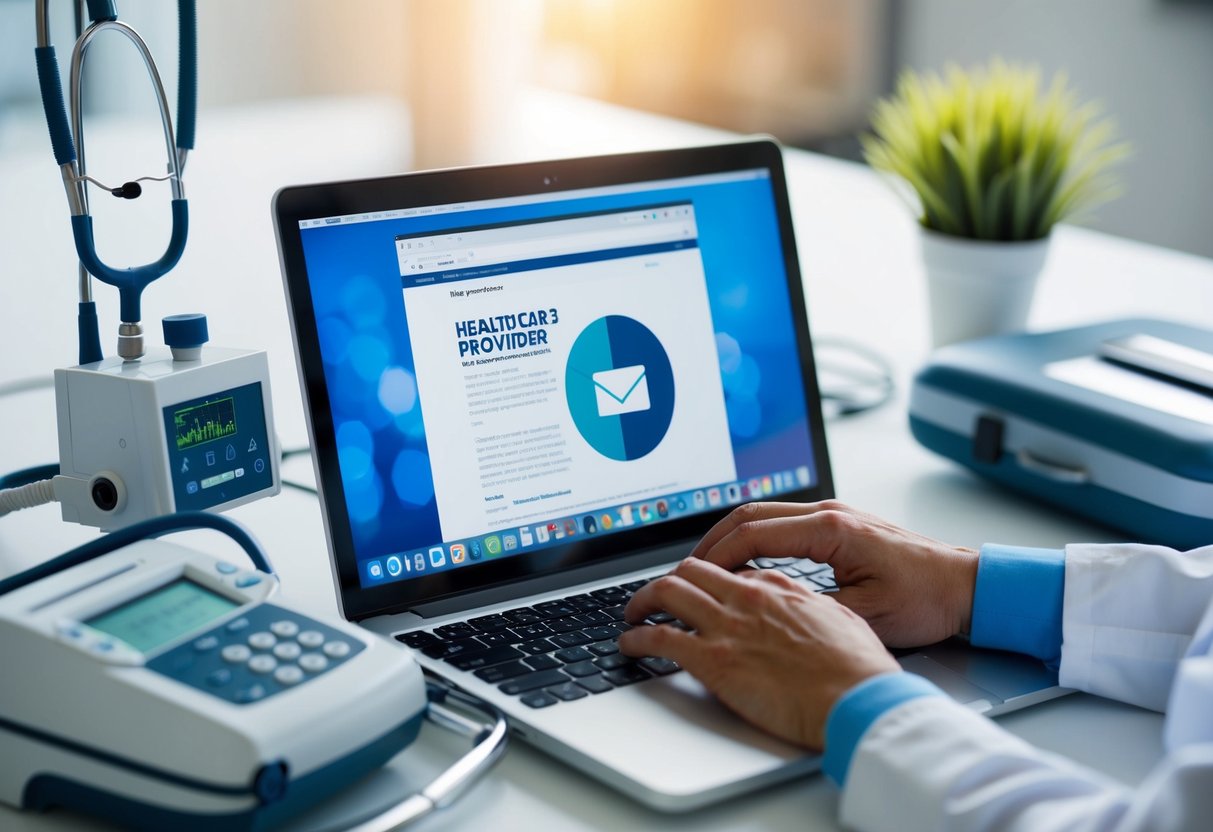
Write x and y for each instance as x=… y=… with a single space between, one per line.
x=979 y=287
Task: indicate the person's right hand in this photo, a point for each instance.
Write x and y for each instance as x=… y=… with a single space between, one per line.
x=911 y=589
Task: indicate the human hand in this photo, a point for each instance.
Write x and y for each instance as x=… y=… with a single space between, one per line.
x=777 y=654
x=911 y=589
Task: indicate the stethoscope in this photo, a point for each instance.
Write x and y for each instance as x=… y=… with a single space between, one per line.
x=68 y=144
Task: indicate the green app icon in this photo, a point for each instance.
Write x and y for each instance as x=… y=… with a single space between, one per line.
x=492 y=545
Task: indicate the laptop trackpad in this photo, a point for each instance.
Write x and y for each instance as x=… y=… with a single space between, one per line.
x=950 y=682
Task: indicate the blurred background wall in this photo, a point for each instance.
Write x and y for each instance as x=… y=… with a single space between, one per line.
x=806 y=71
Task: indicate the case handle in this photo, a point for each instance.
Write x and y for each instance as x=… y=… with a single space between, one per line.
x=1056 y=471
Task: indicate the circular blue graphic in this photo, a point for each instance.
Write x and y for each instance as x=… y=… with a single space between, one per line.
x=620 y=388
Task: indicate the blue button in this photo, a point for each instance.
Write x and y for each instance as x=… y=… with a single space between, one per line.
x=206 y=643
x=219 y=678
x=236 y=625
x=251 y=693
x=248 y=580
x=103 y=646
x=225 y=568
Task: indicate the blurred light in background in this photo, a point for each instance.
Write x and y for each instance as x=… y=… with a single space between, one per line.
x=806 y=71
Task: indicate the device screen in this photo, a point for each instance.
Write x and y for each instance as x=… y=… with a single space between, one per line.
x=218 y=448
x=163 y=614
x=521 y=374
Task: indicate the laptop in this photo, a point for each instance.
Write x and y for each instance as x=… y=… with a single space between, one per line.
x=530 y=389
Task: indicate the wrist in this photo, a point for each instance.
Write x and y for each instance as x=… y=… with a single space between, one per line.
x=964 y=588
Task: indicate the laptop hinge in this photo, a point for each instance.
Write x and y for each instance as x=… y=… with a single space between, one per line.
x=552 y=582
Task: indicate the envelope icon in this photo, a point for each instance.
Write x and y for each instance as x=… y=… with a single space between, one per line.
x=622 y=390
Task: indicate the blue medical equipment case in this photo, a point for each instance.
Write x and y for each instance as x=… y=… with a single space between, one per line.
x=1045 y=414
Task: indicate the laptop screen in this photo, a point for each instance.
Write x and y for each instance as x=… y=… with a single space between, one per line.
x=510 y=376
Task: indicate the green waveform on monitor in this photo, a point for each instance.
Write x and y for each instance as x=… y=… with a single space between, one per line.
x=204 y=422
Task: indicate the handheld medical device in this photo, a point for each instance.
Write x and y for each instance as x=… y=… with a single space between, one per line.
x=175 y=690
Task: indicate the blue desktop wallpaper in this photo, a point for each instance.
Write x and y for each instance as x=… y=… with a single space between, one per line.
x=368 y=361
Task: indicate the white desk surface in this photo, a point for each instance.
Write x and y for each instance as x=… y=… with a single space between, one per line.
x=863 y=281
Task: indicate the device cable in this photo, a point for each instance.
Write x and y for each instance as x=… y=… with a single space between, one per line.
x=490 y=738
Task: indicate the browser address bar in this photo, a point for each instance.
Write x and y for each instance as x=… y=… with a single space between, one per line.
x=467 y=252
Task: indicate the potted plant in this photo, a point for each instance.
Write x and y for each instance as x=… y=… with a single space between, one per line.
x=994 y=161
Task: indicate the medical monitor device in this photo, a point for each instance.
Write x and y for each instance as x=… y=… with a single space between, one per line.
x=519 y=373
x=186 y=430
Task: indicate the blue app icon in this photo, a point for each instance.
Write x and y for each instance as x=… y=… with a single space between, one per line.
x=375 y=570
x=474 y=551
x=394 y=567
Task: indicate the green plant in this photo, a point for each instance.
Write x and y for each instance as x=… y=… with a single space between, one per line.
x=990 y=154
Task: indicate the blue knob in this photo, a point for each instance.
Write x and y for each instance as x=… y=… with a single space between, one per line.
x=185 y=335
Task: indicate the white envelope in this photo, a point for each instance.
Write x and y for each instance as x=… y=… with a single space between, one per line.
x=622 y=390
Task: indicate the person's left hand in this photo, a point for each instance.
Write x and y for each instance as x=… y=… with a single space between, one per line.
x=777 y=654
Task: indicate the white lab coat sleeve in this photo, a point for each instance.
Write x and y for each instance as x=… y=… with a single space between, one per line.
x=1129 y=615
x=1137 y=626
x=932 y=764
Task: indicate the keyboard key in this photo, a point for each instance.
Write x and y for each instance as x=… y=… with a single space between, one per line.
x=790 y=570
x=615 y=612
x=458 y=630
x=554 y=609
x=539 y=699
x=522 y=615
x=660 y=618
x=574 y=639
x=825 y=580
x=596 y=616
x=604 y=648
x=632 y=586
x=499 y=637
x=447 y=649
x=532 y=681
x=626 y=675
x=573 y=654
x=564 y=625
x=568 y=692
x=417 y=638
x=595 y=684
x=528 y=632
x=612 y=596
x=584 y=603
x=614 y=661
x=489 y=623
x=808 y=567
x=658 y=666
x=534 y=648
x=601 y=633
x=586 y=668
x=485 y=657
x=540 y=662
x=501 y=672
x=769 y=563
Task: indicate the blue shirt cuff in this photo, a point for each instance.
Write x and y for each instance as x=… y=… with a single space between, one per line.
x=1017 y=601
x=858 y=708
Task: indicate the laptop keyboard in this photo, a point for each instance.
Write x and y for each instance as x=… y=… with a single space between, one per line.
x=567 y=649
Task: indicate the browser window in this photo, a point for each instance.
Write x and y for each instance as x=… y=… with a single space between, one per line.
x=516 y=375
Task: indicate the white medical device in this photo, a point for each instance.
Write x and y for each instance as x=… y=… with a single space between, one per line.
x=186 y=431
x=161 y=688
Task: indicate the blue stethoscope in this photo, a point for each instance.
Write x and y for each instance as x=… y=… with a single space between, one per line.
x=68 y=144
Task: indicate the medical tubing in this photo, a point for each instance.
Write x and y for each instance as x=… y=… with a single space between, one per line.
x=187 y=73
x=131 y=282
x=154 y=527
x=53 y=105
x=26 y=496
x=101 y=10
x=88 y=333
x=26 y=476
x=489 y=739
